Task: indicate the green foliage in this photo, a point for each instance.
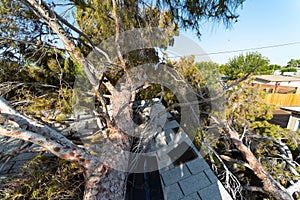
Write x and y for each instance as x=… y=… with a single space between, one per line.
x=210 y=70
x=95 y=19
x=188 y=14
x=290 y=138
x=268 y=152
x=245 y=102
x=45 y=84
x=187 y=68
x=293 y=63
x=40 y=64
x=35 y=72
x=242 y=64
x=18 y=26
x=267 y=69
x=155 y=91
x=203 y=79
x=266 y=129
x=190 y=73
x=288 y=69
x=45 y=177
x=245 y=108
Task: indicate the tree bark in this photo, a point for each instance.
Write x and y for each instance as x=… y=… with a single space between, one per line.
x=105 y=183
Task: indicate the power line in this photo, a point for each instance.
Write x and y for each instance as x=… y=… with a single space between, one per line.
x=247 y=49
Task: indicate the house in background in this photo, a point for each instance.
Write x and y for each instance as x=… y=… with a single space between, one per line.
x=281 y=90
x=294 y=120
x=278 y=83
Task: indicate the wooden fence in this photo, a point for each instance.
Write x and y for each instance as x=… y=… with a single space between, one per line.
x=283 y=99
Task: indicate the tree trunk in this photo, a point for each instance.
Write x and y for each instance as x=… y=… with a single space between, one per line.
x=106 y=178
x=105 y=183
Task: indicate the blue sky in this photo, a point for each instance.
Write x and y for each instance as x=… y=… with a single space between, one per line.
x=261 y=23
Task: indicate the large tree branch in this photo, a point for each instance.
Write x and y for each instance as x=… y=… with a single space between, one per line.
x=117 y=36
x=70 y=153
x=285 y=152
x=8 y=39
x=231 y=182
x=270 y=186
x=83 y=35
x=243 y=78
x=51 y=18
x=40 y=134
x=229 y=159
x=254 y=189
x=211 y=99
x=283 y=148
x=30 y=124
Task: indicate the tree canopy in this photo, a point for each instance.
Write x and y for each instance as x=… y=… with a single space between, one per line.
x=293 y=63
x=243 y=64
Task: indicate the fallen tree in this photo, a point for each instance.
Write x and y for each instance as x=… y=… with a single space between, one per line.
x=101 y=180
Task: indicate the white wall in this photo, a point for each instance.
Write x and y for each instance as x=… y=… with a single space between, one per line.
x=294 y=122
